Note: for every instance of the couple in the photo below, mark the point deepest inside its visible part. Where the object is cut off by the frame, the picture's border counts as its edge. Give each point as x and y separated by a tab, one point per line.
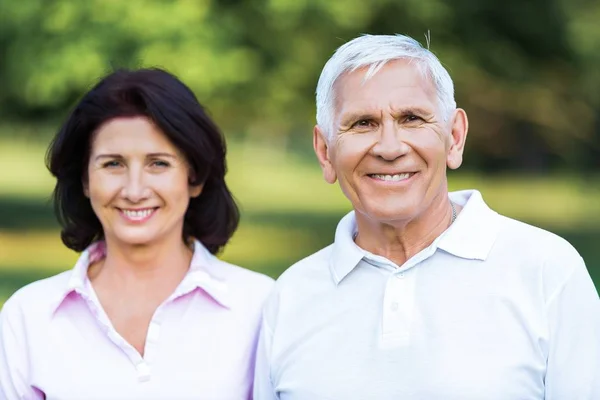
424	294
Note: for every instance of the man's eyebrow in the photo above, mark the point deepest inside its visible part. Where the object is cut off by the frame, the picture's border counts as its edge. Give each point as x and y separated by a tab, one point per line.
353	116
413	110
357	116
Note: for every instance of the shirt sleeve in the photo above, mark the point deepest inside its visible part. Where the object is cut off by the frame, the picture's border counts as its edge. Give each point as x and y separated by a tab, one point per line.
573	367
263	387
13	356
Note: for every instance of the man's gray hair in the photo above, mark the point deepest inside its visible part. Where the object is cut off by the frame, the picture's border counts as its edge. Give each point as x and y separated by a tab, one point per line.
374	51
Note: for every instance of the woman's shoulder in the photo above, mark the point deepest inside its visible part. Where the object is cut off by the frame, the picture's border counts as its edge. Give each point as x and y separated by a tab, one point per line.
241	277
246	290
38	297
238	279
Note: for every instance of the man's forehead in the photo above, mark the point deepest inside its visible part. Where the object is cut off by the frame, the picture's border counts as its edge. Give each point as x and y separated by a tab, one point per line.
408	68
385	89
395	71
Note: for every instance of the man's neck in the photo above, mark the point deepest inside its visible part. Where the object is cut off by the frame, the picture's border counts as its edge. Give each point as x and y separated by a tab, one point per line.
400	240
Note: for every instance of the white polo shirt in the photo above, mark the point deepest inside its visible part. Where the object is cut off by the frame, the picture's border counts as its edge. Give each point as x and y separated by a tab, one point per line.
493	309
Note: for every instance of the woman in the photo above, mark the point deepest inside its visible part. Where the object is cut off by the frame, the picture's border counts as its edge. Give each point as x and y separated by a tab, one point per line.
148	311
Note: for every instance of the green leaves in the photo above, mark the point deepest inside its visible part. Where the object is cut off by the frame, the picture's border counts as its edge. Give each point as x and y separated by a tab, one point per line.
255	63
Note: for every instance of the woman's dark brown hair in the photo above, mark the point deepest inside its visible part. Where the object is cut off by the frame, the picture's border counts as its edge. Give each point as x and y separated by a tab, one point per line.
212	217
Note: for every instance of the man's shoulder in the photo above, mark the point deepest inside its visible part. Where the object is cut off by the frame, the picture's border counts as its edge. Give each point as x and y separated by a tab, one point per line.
313	267
527	236
304	280
538	251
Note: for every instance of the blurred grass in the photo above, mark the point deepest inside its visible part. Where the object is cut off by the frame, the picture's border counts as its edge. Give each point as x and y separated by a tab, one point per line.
288	211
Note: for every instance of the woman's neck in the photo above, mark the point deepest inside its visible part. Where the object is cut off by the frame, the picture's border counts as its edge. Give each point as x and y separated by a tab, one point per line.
149	264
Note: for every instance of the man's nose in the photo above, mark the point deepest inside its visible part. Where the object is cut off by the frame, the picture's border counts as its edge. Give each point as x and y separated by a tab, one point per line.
391	143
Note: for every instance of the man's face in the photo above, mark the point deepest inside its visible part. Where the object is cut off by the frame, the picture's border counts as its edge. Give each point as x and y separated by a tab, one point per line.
390	145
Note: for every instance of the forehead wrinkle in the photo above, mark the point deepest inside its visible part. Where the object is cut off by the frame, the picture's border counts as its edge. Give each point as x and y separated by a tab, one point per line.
423	110
422	83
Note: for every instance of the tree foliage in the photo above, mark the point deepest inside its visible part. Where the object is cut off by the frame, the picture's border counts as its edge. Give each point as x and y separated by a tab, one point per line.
527	73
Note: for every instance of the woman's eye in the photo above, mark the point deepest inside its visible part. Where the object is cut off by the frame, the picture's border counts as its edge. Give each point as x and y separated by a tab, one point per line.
160	163
111	164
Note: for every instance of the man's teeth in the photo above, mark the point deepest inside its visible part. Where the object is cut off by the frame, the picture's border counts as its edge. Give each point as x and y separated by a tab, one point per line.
138	214
392	178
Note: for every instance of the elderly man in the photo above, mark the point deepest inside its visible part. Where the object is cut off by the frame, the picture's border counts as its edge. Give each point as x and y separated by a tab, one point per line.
424	294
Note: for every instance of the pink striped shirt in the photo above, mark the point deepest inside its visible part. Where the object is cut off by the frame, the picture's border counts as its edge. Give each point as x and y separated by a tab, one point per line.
57	343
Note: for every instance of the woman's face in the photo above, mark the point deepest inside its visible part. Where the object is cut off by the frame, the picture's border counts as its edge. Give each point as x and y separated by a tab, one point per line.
138	182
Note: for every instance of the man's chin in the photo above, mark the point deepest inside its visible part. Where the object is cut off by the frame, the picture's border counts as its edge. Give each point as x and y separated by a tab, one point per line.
388	216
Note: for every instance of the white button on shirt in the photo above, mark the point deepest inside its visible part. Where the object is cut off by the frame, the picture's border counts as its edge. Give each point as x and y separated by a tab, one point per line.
493	309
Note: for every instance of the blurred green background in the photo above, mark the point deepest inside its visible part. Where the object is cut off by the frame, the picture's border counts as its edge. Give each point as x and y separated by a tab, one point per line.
527	73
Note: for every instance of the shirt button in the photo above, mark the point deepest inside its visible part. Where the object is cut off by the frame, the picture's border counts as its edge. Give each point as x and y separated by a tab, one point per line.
400	275
143	372
394	306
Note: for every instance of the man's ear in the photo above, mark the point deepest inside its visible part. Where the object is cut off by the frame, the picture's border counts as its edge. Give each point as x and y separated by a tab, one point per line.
458	137
321	146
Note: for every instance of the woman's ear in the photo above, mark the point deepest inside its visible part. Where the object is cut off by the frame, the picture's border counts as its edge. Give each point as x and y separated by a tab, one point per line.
195	189
86	187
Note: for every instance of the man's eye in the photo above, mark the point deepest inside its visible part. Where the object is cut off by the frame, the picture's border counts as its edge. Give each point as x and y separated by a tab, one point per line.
363	123
411	118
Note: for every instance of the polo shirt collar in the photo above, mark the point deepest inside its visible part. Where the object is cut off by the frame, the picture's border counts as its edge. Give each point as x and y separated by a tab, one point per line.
345	254
206	275
474	232
471	236
203	274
